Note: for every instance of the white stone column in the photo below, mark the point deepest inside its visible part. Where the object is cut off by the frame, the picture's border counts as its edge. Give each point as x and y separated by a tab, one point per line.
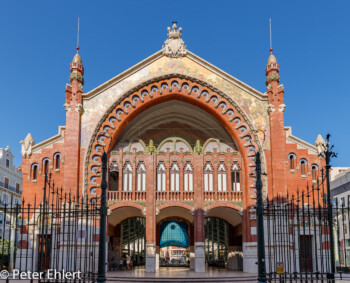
152	258
250	257
192	257
199	263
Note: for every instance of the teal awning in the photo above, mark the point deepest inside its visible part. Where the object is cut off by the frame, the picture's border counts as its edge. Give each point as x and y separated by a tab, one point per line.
174	234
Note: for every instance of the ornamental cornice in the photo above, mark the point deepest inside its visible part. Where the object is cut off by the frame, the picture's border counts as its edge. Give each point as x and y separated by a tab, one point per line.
16	173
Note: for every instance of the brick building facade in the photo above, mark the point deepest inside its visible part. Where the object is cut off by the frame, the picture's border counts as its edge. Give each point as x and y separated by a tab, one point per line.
181	136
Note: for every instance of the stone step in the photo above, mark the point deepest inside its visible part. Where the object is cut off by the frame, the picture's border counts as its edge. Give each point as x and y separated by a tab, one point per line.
180	280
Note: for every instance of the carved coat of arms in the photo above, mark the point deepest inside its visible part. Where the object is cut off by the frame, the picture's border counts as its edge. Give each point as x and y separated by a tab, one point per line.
174	46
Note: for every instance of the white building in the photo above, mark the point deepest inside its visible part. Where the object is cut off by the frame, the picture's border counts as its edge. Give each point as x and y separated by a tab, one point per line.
340	192
10	179
10	187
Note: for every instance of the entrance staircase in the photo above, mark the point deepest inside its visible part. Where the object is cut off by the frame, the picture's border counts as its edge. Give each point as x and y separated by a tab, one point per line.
173	274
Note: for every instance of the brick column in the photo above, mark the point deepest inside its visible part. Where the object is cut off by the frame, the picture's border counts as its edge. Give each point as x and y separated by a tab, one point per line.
72	139
74	109
152	258
199	263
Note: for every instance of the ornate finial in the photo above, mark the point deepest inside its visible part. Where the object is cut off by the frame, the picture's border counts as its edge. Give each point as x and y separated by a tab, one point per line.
78	36
327	152
76	67
174	46
270	37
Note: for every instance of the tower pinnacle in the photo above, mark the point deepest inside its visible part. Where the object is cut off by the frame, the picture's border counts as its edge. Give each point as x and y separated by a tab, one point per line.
272	69
77	69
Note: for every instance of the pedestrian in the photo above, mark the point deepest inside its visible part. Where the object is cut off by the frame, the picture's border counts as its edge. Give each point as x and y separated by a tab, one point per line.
128	260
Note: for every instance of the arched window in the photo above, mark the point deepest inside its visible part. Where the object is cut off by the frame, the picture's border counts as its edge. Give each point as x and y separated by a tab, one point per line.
303	164
46	164
141	177
314	170
208	177
57	160
235	178
188	178
292	157
114	176
35	169
174	178
222	177
161	177
127	184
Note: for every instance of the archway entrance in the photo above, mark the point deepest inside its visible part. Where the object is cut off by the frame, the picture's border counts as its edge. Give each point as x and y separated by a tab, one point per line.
174	243
223	238
126	231
216	241
133	240
164	149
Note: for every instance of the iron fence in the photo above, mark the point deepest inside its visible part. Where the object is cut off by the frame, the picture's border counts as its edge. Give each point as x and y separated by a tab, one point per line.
56	236
307	237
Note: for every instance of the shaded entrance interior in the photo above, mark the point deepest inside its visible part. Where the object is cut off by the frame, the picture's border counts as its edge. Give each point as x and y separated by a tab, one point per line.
127	238
223	239
174	244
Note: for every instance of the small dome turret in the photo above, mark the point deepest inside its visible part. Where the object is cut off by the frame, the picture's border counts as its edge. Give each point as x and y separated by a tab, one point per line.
272	69
77	69
77	58
272	58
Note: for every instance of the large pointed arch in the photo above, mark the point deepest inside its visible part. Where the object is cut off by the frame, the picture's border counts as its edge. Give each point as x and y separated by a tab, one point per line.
165	88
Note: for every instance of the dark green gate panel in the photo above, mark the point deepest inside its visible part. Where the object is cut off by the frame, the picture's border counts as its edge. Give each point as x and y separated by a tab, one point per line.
216	241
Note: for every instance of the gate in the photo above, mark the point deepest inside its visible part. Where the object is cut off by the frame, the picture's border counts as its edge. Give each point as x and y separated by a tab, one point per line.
56	238
303	237
56	234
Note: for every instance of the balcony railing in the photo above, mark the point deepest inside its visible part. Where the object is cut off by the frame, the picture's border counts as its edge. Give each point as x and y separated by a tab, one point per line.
126	196
223	196
10	188
174	196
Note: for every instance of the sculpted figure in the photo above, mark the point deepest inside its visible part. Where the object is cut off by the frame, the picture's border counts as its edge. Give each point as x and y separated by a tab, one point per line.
27	145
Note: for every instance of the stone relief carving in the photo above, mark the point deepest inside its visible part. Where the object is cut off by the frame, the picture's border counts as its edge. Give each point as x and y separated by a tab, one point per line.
320	144
174	46
66	106
282	107
270	108
79	108
27	145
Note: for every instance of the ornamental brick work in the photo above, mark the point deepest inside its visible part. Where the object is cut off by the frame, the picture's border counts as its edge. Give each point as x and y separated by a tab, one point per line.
245	115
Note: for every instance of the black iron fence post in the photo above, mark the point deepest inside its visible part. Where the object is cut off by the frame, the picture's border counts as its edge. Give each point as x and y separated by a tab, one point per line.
328	154
260	222
101	277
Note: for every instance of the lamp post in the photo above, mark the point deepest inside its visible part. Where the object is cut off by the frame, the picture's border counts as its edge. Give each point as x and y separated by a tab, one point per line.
101	276
260	222
327	154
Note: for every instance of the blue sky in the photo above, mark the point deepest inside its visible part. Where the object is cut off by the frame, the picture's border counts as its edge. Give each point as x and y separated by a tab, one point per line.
311	41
